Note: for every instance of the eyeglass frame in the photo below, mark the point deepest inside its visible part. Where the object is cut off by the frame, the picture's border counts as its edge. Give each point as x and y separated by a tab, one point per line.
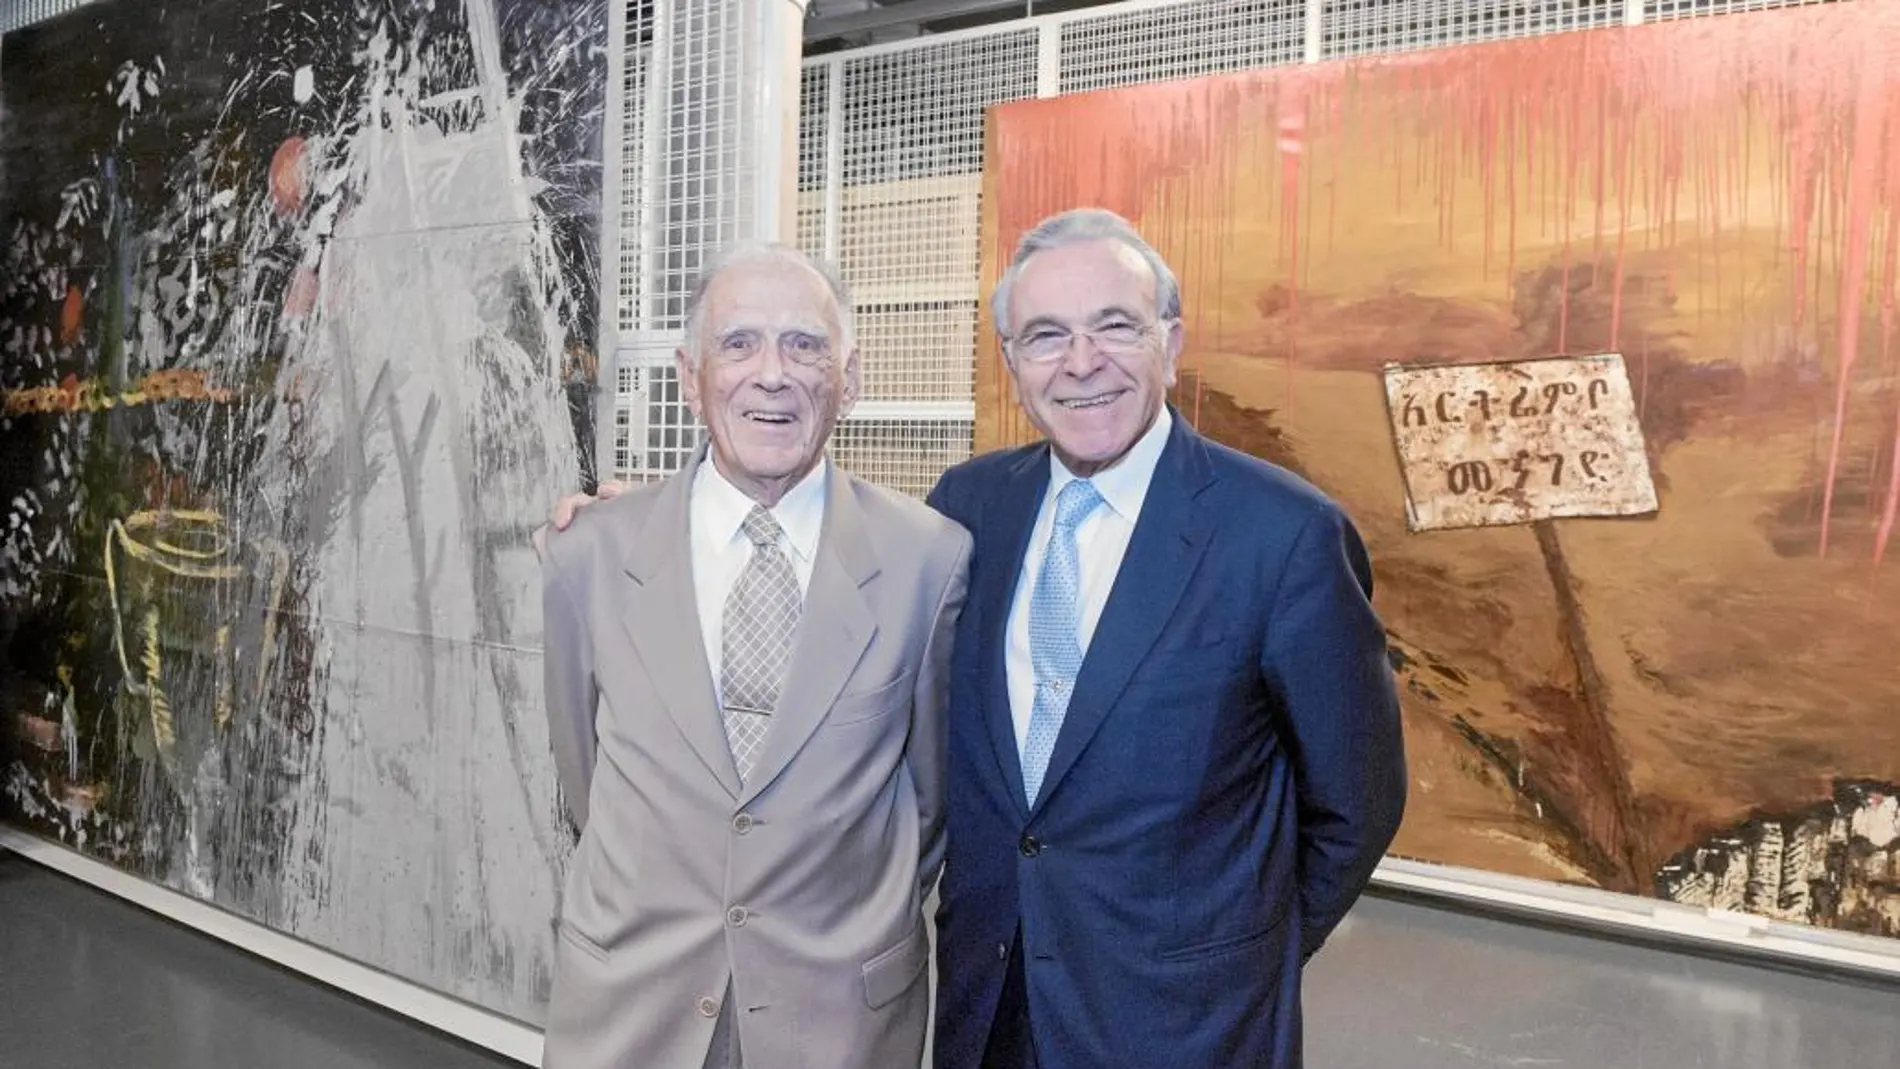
1015	346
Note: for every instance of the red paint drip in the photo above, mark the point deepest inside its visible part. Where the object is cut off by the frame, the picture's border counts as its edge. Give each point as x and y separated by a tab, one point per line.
1626	160
1292	145
1868	113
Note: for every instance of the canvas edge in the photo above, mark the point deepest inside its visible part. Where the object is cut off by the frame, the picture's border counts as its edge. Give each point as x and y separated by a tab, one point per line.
482	1028
1671	925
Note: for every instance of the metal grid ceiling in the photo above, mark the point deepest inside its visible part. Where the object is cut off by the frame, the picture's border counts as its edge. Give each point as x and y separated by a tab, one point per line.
1360	27
1661	10
1183	40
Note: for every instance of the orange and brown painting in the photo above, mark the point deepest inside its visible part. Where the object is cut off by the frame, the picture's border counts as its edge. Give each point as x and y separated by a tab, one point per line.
1700	702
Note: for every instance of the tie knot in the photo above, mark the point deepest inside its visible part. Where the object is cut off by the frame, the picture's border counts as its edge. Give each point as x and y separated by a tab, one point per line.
1075	502
762	527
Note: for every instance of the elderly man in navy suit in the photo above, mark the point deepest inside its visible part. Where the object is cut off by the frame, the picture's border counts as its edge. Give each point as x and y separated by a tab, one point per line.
1175	752
1175	749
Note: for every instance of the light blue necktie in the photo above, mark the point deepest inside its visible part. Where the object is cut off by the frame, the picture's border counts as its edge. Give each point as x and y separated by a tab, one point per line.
1055	650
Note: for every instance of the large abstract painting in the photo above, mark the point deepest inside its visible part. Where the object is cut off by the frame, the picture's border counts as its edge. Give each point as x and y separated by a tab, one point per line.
1594	335
298	316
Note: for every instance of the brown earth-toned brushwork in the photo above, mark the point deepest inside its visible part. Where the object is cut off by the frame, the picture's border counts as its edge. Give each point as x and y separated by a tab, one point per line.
1702	702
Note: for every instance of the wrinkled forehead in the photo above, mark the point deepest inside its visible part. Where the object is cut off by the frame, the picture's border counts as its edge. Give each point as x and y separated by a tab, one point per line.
1083	282
770	295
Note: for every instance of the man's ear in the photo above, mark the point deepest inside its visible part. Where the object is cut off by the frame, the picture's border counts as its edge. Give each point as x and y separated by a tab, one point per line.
1171	352
689	381
853	383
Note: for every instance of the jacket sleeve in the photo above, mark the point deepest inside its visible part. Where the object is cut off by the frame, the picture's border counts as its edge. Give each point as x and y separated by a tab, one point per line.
1326	656
927	753
570	688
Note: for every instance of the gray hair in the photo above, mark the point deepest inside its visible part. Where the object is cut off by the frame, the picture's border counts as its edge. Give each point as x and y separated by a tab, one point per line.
754	252
1074	227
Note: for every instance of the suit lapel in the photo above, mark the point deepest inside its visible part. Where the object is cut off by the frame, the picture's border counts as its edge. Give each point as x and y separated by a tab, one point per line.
1166	546
833	632
662	619
1006	529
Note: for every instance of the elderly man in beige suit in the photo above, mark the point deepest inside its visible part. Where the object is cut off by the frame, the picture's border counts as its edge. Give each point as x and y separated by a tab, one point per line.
746	682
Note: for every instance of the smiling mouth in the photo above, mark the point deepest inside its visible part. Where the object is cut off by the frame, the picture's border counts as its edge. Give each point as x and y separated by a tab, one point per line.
774	419
1075	404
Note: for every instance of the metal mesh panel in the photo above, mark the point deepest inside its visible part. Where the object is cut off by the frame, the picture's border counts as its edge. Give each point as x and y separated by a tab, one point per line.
15	14
911	129
704	172
913	157
918	352
1180	41
918	112
627	395
1358	27
905	455
671	432
1658	10
911	240
814	141
636	179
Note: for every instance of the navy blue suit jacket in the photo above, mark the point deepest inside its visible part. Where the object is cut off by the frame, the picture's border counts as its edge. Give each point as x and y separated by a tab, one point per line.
1229	773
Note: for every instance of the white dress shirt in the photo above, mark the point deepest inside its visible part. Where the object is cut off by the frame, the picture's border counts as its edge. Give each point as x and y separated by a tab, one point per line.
721	549
1100	542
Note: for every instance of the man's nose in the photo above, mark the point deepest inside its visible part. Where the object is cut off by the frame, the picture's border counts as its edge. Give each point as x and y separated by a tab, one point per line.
1081	356
771	368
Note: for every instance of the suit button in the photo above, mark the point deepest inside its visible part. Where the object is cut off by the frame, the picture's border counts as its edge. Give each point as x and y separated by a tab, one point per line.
742	823
709	1007
736	916
1030	846
1002	952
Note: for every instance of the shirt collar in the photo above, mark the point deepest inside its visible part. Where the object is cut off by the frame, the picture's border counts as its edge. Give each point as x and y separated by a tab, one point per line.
1124	484
801	512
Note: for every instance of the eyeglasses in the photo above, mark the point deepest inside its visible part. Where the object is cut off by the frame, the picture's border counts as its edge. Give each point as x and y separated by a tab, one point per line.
797	346
1048	343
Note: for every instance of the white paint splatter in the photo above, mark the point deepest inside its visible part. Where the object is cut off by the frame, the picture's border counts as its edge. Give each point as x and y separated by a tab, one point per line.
1878	821
429	355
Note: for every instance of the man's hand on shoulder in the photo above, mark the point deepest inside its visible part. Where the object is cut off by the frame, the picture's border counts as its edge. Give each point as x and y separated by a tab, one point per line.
570	506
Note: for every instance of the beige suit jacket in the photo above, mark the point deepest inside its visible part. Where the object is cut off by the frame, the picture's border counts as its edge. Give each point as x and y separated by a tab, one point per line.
804	889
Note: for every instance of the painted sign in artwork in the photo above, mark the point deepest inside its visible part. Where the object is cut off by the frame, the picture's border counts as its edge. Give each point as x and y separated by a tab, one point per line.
298	323
1695	700
1518	441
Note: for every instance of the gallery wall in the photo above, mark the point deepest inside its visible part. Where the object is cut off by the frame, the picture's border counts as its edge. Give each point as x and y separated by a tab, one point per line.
1687	692
298	334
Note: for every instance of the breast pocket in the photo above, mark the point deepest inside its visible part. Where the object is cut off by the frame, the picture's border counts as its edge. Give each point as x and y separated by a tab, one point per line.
875	703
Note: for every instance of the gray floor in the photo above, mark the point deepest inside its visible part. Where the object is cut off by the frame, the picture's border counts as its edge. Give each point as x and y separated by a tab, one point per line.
88	982
1408	987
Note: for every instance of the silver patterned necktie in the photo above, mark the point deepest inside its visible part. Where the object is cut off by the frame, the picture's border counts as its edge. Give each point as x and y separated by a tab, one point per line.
756	638
1055	648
